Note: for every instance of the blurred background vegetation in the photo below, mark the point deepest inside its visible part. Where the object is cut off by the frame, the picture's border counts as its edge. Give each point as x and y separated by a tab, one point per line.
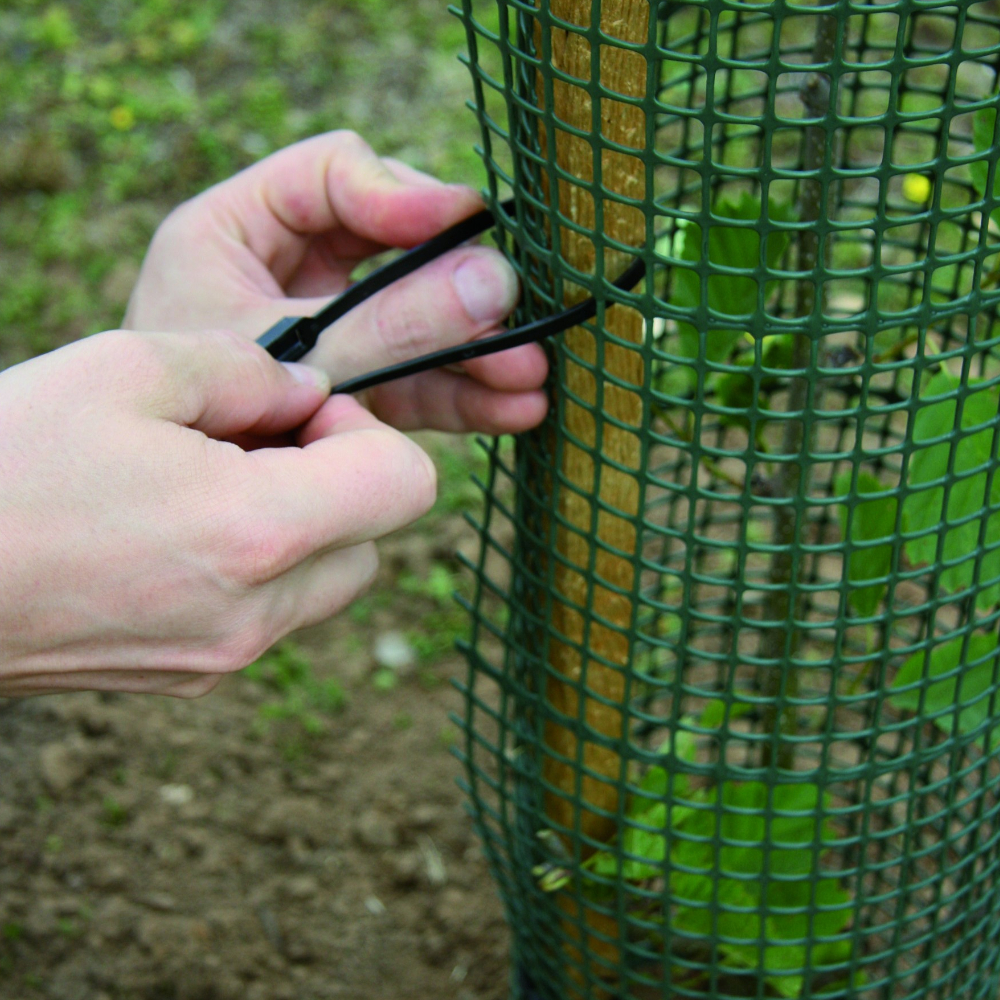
114	111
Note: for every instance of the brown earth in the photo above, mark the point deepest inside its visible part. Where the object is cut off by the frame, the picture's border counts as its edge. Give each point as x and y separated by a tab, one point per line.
205	850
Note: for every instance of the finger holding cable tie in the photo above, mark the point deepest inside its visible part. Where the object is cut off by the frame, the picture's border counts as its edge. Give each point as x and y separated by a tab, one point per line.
283	237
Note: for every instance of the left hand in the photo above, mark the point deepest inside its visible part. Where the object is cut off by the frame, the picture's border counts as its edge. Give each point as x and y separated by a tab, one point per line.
282	238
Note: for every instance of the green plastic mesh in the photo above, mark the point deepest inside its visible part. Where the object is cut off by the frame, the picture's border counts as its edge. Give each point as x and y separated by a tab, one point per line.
732	722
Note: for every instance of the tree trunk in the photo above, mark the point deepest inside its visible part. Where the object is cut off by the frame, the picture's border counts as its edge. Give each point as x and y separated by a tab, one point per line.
598	484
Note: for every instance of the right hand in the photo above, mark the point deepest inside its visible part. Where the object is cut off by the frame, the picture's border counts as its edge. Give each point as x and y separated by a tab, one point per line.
158	526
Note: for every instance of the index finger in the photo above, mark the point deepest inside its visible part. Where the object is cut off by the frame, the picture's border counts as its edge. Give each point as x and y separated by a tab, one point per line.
334	182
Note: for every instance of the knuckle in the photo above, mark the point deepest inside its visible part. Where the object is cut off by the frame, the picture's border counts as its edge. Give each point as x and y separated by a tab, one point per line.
369	564
248	547
116	343
253	553
172	227
196	687
348	137
188	222
132	358
249	641
360	578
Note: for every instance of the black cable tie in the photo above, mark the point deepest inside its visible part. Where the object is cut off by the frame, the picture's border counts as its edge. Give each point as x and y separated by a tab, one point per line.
294	336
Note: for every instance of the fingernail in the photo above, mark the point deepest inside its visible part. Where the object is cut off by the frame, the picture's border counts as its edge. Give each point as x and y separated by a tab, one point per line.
307	375
486	286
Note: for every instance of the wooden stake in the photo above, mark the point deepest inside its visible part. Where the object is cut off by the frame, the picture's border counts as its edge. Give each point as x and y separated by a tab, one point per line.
592	663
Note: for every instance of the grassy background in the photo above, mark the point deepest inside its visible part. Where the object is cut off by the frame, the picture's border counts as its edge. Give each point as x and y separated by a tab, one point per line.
114	111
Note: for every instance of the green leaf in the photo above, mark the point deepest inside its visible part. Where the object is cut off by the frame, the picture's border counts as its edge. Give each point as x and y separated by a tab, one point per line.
714	713
872	520
717	863
735	390
730	295
923	507
983	124
777	351
965	706
735	873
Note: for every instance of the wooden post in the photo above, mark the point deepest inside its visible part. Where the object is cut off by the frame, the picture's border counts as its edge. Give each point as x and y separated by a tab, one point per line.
596	655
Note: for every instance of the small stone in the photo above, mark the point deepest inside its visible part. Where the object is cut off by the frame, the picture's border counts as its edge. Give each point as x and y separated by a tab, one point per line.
375	906
424	816
161	901
63	765
373	830
120	281
298	950
302	887
393	652
109	876
97	720
433	862
332	774
412	551
115	920
8	817
452	908
176	795
435	948
66	906
294	819
406	869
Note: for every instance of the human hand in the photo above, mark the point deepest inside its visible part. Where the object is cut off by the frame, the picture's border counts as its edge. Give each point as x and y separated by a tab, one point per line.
143	549
281	238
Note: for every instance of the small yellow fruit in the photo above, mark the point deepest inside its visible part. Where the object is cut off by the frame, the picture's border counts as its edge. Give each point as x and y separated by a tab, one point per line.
916	188
122	118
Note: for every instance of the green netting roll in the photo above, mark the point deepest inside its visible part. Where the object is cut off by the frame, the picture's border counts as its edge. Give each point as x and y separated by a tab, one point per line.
732	720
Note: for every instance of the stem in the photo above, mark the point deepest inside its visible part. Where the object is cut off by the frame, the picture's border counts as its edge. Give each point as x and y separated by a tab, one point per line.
790	480
713	467
862	675
896	351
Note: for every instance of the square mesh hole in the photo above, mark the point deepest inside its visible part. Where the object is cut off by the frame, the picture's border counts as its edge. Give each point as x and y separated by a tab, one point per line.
869	94
736	145
933	32
876	34
981	34
863	145
915	145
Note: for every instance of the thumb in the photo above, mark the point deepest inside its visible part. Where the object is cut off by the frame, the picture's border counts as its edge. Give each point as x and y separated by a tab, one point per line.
221	384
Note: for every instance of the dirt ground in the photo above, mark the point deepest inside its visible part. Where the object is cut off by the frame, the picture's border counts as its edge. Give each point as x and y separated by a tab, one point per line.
215	850
265	843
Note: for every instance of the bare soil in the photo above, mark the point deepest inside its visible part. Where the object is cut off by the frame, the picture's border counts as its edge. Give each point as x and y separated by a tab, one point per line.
174	850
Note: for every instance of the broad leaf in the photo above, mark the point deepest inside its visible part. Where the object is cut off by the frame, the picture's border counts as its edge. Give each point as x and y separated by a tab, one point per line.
983	124
729	295
719	863
872	520
714	713
964	699
923	508
739	872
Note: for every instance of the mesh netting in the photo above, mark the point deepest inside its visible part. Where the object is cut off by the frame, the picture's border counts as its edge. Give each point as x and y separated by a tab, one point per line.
732	707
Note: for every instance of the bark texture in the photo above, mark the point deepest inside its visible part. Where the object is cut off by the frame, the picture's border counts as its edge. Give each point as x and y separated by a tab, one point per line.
596	500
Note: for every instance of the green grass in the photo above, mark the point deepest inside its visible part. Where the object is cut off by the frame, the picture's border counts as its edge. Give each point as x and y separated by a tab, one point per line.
295	694
113	112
